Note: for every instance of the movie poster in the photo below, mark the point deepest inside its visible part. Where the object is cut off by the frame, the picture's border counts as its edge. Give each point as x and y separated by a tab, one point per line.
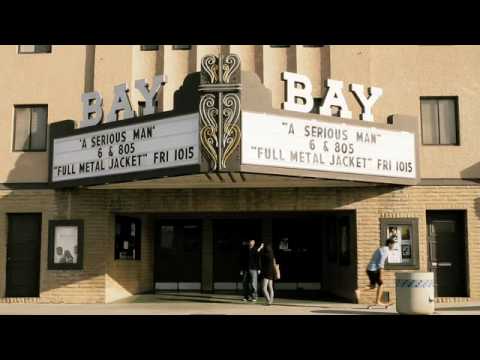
402	249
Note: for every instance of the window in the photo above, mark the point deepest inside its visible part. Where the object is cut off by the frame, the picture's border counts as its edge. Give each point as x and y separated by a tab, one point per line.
149	47
182	47
30	128
127	238
34	49
439	118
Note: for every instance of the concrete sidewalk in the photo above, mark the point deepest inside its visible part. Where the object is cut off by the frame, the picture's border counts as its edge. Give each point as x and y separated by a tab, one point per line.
217	304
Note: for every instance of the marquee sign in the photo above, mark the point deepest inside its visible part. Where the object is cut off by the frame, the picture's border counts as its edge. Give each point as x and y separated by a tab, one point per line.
133	149
232	127
311	144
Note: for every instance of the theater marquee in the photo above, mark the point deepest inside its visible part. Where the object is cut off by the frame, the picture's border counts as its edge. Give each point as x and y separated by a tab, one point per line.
223	121
135	149
311	144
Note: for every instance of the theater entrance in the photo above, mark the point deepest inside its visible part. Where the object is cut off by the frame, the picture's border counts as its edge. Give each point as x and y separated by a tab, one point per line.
201	252
315	251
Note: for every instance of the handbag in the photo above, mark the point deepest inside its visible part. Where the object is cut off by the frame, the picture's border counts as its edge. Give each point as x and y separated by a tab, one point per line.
277	270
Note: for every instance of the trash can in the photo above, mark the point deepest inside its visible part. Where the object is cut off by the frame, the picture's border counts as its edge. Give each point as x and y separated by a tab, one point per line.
415	293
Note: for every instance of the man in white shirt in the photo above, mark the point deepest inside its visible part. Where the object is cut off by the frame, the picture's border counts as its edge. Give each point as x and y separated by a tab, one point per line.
375	271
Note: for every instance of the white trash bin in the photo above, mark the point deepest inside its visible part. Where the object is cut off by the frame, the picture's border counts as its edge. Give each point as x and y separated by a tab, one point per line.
415	293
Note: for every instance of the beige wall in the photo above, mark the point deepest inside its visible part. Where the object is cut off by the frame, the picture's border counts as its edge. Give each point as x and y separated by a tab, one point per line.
404	72
408	72
56	79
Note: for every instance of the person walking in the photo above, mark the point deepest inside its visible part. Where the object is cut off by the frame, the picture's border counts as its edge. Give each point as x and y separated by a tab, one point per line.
375	272
268	270
250	269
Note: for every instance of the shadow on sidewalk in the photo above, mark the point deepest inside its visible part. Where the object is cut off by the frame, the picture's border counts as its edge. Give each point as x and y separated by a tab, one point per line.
352	312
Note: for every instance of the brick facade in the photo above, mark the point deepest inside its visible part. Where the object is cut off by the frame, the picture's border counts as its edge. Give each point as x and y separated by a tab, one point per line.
104	279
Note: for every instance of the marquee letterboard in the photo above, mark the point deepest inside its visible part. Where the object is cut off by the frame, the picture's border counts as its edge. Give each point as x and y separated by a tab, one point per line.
282	142
138	147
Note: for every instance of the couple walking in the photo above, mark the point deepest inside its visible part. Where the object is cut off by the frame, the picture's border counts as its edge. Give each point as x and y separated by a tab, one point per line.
256	261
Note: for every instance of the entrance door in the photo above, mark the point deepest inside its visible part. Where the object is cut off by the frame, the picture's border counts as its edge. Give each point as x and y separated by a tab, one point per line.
446	236
298	248
228	236
23	255
178	255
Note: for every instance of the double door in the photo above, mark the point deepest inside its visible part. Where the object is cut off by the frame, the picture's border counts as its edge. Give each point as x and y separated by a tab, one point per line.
178	255
298	250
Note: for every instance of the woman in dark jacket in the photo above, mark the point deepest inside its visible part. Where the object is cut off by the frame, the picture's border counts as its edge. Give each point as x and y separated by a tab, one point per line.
268	271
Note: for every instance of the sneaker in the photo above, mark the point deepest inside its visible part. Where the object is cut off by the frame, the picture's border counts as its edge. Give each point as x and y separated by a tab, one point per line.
254	300
244	300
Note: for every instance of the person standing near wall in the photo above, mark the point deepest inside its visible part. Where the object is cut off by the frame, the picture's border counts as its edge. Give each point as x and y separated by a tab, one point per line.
250	268
268	271
375	271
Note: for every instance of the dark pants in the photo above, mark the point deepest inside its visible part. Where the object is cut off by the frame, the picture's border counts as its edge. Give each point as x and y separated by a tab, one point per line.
250	284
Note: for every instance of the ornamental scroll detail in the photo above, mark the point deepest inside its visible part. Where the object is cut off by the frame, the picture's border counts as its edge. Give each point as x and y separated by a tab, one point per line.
219	108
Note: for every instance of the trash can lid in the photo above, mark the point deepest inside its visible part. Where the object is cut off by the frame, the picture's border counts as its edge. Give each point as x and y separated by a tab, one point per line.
414	275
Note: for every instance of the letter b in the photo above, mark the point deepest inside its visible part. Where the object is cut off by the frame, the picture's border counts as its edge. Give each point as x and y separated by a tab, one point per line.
92	104
292	92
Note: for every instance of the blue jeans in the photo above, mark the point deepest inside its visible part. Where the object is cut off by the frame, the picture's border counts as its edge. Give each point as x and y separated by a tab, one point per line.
250	284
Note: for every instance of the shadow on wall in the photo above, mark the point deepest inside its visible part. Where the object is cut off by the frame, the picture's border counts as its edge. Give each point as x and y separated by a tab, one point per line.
471	173
29	144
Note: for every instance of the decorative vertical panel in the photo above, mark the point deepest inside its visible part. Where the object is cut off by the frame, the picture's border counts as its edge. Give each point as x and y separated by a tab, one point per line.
219	108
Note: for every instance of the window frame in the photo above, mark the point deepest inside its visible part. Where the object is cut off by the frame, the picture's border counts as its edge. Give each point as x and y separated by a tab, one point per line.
30	130
455	99
34	52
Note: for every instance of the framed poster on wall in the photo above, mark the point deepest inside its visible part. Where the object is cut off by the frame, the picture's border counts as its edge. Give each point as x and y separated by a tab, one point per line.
65	245
404	232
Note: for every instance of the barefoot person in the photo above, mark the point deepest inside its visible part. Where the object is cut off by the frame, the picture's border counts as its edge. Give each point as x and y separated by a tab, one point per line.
375	271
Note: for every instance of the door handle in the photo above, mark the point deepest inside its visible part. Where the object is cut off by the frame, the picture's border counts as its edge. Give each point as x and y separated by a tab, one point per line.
445	264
